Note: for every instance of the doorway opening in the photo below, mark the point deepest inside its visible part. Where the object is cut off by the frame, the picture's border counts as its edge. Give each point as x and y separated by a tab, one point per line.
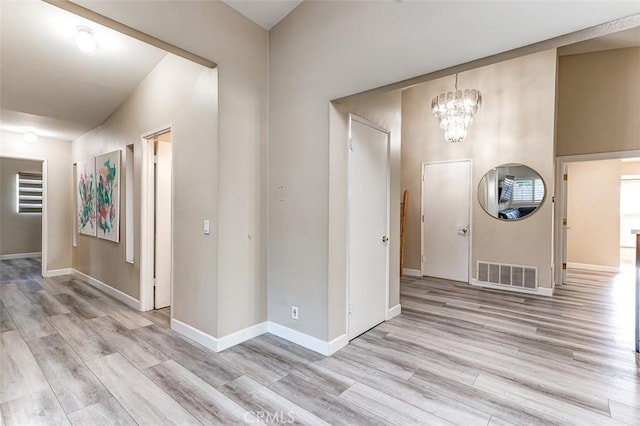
629	211
23	216
599	206
156	273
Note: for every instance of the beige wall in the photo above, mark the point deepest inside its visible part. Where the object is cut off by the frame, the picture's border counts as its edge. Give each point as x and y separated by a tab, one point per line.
384	111
598	100
59	191
236	274
593	213
19	233
366	45
311	63
514	125
182	94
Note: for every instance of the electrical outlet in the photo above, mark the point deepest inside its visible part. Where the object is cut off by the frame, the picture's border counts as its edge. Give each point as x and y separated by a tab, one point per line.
294	312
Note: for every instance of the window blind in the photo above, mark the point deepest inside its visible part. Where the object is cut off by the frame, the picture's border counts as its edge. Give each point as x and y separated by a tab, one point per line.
528	190
29	192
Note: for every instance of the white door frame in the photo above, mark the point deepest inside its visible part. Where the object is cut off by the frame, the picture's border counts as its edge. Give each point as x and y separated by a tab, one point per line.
45	204
560	256
147	219
422	199
353	117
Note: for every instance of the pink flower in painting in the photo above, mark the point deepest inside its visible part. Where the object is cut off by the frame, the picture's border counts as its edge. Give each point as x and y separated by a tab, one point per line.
104	172
104	211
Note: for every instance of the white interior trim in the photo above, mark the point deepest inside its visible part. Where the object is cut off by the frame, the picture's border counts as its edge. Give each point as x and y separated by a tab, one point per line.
58	272
45	217
540	291
616	155
412	272
336	344
590	267
560	240
45	194
361	120
222	343
469	226
317	345
74	203
147	217
194	334
146	226
394	311
243	335
20	255
106	288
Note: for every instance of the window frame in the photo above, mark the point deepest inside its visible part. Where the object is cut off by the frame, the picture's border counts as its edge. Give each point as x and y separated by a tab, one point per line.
29	193
534	184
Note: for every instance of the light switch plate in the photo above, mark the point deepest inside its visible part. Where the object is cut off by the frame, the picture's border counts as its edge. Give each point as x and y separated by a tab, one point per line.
206	227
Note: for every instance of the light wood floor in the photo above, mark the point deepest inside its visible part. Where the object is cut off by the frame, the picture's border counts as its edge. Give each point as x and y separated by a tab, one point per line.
456	355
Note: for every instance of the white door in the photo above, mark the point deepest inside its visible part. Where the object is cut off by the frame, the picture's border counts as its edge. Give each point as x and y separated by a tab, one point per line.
163	226
445	229
368	226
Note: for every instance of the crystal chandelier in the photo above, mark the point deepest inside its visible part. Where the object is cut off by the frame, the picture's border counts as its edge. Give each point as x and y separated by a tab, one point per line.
455	111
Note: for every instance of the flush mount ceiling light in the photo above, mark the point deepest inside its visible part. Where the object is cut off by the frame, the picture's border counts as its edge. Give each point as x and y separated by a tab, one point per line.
455	111
29	136
85	40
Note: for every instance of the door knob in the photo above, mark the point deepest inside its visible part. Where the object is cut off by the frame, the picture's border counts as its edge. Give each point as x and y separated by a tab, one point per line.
385	238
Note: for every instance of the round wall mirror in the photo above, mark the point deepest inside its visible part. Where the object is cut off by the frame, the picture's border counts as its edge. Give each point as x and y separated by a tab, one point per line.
511	191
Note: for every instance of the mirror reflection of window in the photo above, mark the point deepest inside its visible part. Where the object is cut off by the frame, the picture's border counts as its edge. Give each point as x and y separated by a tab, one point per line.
506	190
528	190
511	191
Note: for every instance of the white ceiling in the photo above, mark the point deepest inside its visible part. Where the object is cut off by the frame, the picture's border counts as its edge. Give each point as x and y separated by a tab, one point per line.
265	13
49	85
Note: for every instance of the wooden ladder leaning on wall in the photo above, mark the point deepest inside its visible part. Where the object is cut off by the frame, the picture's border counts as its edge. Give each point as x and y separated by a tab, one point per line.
403	220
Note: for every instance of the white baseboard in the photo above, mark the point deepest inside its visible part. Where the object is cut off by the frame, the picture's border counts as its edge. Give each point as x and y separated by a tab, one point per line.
58	272
540	291
336	344
113	292
412	272
222	343
597	268
317	345
219	344
393	312
20	255
194	334
243	335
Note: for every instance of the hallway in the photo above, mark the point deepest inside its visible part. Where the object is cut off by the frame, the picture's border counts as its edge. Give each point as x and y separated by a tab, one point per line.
456	355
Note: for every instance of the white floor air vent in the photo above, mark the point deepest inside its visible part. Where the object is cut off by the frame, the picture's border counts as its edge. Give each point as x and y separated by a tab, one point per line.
508	275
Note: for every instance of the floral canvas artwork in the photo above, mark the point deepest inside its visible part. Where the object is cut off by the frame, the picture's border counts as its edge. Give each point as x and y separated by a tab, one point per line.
108	196
86	196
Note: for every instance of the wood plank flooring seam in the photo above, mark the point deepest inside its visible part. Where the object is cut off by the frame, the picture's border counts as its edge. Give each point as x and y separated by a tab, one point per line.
457	354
